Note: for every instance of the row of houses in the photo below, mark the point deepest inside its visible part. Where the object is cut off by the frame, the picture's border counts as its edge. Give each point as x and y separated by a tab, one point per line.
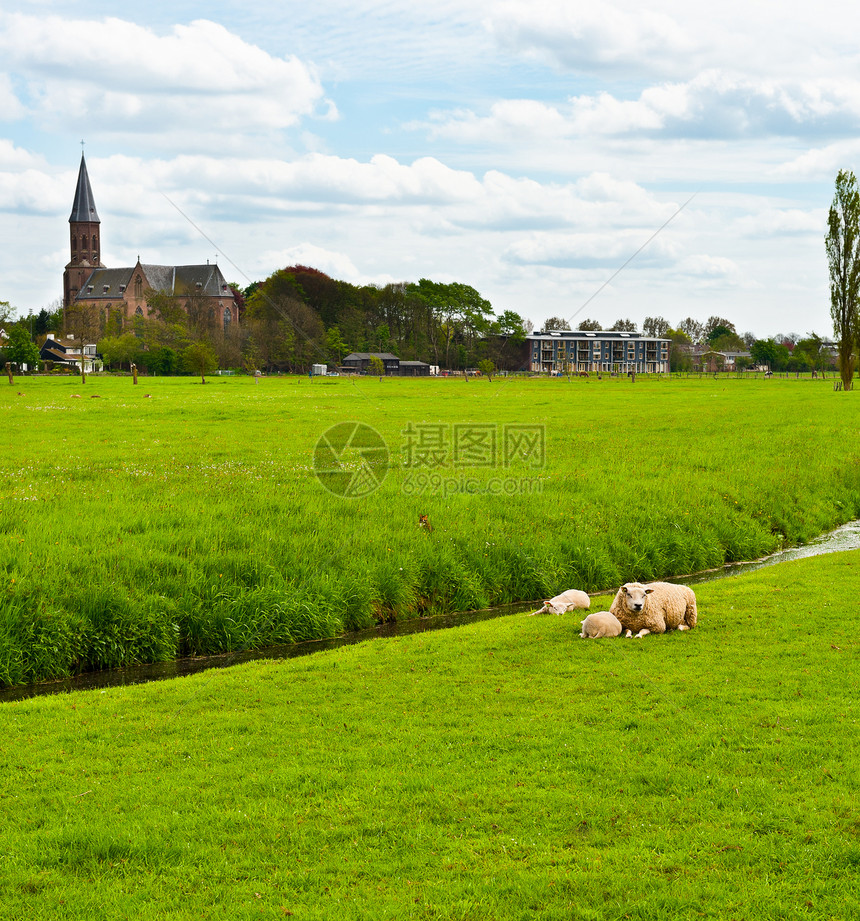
611	352
359	362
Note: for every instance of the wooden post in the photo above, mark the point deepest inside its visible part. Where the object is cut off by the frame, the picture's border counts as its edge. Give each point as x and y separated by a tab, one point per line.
9	372
134	372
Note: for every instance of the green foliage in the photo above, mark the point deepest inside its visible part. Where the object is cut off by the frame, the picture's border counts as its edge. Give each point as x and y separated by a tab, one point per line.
119	350
657	327
375	366
199	358
843	257
503	770
160	361
487	368
767	353
20	349
204	528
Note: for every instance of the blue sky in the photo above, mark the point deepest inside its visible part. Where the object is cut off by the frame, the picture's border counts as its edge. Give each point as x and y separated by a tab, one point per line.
526	149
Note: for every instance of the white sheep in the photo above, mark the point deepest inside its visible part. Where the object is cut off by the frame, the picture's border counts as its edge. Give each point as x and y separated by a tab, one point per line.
655	608
566	601
600	624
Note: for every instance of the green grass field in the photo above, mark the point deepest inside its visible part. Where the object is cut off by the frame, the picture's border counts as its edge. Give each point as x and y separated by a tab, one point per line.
172	518
503	770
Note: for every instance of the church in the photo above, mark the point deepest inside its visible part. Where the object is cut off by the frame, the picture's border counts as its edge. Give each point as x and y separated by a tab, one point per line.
121	294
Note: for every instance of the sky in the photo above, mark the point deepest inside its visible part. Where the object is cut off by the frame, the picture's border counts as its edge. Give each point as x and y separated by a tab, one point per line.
528	149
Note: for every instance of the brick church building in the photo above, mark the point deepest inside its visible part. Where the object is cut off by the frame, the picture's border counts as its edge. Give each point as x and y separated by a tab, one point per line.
121	293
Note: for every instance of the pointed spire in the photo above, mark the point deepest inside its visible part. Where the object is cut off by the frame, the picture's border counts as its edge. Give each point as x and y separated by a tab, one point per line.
84	208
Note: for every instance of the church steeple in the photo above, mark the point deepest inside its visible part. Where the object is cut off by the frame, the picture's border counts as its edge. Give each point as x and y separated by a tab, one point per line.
84	238
84	207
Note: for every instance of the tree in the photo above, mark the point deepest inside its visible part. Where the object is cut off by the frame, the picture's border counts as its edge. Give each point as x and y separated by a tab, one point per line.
715	323
589	326
83	322
843	257
624	326
693	329
554	323
655	327
199	358
771	354
722	340
119	350
487	368
335	345
813	350
20	348
680	352
375	366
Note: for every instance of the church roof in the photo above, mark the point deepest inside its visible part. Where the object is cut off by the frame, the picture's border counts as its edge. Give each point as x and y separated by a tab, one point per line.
84	207
109	283
187	279
180	280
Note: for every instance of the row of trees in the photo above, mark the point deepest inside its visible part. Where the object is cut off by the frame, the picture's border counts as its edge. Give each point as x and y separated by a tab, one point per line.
300	316
718	334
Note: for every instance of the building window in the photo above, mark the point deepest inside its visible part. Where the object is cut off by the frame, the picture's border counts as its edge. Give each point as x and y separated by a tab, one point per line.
95	242
138	288
228	317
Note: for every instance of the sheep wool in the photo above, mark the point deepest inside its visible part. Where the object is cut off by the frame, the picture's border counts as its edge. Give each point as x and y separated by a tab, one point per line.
600	624
655	607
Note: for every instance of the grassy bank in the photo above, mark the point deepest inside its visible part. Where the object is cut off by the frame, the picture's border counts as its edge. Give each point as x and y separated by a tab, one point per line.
171	518
505	770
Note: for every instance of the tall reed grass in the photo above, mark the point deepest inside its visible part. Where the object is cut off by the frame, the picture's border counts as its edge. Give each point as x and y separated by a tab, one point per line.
139	529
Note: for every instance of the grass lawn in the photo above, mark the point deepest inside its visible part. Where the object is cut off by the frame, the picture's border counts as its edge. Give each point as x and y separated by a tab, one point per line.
503	770
172	518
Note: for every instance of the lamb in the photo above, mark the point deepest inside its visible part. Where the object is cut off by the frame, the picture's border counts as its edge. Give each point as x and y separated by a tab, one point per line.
600	624
566	601
655	608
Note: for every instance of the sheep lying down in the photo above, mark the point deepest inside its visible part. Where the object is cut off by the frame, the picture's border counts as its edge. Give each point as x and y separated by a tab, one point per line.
600	624
566	601
655	608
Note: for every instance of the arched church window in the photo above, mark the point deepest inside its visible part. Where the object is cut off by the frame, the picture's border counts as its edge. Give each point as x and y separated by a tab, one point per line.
139	312
95	242
138	288
228	317
83	241
74	243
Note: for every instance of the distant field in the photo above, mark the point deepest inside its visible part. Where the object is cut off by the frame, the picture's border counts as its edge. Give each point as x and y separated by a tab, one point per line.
504	771
172	518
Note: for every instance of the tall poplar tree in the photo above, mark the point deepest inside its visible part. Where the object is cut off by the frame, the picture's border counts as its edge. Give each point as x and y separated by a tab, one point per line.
843	256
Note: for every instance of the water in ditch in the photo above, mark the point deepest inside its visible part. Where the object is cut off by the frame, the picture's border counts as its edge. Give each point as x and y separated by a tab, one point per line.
846	537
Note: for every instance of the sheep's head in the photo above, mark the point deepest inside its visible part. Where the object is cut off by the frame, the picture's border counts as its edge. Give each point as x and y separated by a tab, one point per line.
634	596
558	607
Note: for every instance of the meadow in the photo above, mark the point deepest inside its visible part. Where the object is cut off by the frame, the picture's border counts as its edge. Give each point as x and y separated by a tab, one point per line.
171	518
500	771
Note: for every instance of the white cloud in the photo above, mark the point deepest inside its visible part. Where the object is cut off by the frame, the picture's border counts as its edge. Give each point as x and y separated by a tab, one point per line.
585	37
337	265
197	85
713	105
609	249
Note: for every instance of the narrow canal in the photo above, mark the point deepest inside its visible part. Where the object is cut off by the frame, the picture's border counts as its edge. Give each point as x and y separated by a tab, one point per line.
846	537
